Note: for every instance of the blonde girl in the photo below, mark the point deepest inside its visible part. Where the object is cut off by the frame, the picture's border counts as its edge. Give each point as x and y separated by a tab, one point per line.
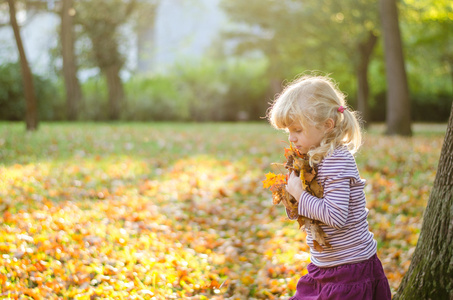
314	112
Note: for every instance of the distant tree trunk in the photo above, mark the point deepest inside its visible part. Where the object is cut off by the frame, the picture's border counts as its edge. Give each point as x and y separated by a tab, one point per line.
110	62
398	105
72	84
115	90
430	275
365	51
31	111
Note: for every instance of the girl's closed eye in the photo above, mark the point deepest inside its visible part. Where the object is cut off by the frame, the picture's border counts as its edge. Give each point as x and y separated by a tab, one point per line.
294	129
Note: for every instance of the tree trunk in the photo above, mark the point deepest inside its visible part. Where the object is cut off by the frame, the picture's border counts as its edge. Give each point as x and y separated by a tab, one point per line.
430	275
115	90
365	50
31	111
110	62
398	105
72	84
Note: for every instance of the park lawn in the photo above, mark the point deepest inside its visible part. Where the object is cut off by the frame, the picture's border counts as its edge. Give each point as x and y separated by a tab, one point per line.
177	211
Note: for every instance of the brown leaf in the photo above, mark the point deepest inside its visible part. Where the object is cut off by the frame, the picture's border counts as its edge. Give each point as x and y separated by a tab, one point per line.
290	202
276	198
278	193
309	176
301	220
315	189
317	246
292	214
318	234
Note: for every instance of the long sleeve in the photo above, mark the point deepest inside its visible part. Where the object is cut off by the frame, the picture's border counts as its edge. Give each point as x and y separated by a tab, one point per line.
342	211
333	208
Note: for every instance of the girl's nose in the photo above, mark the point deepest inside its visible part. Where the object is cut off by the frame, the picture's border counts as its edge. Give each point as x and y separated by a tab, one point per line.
292	138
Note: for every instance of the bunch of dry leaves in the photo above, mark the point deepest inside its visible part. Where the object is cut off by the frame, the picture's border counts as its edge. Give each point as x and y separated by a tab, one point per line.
299	163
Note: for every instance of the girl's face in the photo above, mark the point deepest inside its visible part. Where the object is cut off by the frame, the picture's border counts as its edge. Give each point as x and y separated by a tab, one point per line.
305	138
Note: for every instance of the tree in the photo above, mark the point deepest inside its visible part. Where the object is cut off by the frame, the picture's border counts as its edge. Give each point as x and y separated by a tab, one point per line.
365	49
398	105
72	84
101	20
430	275
264	34
31	112
356	26
330	35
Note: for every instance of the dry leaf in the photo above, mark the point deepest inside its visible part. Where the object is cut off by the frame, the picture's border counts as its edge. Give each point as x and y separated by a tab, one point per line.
317	246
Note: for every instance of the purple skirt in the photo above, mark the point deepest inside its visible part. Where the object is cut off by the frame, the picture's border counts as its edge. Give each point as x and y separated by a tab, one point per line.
363	280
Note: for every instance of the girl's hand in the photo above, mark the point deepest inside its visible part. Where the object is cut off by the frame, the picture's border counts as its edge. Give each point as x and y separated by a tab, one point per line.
294	186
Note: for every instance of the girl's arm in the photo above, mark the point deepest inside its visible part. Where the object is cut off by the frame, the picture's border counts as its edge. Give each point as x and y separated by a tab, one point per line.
333	208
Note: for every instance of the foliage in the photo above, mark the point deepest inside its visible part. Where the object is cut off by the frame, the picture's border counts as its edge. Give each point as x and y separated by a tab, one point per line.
94	105
100	21
154	98
179	211
324	35
12	100
11	92
220	91
427	29
293	35
319	35
203	90
424	107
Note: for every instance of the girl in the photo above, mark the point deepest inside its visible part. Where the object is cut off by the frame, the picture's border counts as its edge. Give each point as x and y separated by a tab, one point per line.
314	113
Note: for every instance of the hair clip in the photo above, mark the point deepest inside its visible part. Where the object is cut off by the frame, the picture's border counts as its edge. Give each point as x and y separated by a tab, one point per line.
340	109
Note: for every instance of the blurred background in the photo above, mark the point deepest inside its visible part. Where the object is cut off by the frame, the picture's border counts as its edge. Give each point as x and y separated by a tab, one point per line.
214	60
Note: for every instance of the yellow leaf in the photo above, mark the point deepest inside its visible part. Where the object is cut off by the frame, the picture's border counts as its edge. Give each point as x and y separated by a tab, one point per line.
272	179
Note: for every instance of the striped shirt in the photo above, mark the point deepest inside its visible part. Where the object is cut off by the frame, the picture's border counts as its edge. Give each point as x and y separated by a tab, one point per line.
342	210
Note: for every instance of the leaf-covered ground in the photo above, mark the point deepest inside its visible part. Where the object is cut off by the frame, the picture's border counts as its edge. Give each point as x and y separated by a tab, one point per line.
177	211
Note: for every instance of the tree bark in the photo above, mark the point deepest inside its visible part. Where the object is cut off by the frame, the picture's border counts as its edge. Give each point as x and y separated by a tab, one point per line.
430	275
31	111
365	51
398	105
72	84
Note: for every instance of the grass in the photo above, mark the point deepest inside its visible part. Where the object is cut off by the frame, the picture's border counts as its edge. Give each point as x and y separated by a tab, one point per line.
170	211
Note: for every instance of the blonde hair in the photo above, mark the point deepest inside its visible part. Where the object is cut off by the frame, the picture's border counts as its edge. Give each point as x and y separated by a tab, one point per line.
313	100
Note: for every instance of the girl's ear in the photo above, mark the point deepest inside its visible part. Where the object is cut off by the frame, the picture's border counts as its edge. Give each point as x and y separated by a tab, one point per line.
329	124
